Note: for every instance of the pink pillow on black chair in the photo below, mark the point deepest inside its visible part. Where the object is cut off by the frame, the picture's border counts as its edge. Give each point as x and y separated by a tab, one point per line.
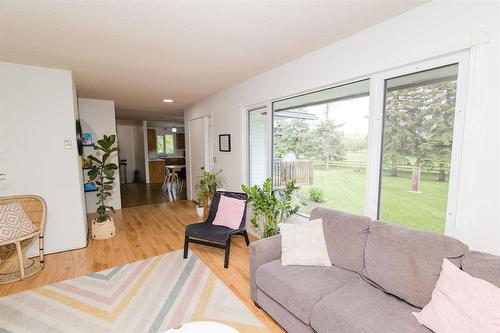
229	212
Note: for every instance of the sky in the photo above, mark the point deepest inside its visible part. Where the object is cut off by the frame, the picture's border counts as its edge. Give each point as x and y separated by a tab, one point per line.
353	113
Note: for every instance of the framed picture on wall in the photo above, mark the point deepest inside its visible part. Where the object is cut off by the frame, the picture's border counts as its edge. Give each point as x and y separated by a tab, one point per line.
87	139
225	142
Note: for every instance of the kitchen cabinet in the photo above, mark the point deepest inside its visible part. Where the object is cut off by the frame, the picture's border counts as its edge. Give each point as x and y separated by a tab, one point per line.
151	139
156	171
180	142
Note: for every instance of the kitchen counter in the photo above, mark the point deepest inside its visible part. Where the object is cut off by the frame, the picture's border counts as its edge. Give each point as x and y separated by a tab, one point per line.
157	167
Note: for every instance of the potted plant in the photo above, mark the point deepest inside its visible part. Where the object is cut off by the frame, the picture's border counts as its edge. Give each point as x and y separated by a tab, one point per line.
199	203
271	206
102	173
206	186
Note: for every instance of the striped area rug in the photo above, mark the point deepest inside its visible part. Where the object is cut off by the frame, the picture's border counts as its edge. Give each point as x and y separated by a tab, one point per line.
150	295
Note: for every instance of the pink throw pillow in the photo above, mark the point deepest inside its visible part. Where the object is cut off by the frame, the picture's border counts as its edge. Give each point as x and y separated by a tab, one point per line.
230	212
461	303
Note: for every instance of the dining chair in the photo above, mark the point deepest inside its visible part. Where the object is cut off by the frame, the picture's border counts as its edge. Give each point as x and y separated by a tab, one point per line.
169	179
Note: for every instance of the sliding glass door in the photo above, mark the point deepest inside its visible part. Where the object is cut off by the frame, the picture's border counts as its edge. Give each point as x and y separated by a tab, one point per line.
418	123
320	140
388	147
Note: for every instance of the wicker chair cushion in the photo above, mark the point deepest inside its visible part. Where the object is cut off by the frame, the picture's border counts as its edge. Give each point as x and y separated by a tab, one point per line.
14	223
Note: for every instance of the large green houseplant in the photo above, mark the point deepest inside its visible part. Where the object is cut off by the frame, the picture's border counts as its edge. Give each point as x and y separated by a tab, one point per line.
271	206
103	174
206	185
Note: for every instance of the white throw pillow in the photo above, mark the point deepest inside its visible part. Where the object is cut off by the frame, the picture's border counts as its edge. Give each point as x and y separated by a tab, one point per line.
303	244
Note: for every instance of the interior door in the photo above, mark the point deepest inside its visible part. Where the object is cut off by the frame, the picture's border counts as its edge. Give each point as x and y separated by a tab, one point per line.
199	152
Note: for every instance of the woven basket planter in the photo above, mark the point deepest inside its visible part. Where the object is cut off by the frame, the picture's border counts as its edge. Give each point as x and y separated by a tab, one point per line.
103	230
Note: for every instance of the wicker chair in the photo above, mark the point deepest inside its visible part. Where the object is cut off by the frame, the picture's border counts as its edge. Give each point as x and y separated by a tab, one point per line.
13	264
215	235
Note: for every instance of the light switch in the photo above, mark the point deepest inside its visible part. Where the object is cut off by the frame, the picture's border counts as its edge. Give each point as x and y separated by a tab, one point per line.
215	159
68	144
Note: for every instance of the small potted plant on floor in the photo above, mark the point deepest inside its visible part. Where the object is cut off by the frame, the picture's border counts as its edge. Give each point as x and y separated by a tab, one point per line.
102	172
206	186
199	203
271	206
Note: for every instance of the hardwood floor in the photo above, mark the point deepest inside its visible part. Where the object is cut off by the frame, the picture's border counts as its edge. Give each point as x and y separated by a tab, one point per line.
144	232
141	194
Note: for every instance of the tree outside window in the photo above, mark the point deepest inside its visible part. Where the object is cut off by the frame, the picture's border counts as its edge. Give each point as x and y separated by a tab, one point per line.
165	144
169	144
160	144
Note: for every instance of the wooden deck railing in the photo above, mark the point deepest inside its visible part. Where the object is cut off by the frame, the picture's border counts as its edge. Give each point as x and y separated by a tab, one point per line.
301	170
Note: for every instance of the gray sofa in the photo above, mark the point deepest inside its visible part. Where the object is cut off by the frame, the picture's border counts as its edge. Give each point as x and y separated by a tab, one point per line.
380	273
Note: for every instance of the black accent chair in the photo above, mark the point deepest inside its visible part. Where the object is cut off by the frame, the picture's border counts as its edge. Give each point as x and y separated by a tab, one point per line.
206	233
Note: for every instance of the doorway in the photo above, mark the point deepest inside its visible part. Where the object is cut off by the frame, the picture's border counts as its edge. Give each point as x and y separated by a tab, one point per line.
199	150
150	151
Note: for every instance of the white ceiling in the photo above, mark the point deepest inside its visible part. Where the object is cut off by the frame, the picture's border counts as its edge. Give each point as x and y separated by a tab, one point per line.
138	52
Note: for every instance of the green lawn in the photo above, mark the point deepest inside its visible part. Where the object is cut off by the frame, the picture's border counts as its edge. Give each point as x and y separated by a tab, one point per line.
344	189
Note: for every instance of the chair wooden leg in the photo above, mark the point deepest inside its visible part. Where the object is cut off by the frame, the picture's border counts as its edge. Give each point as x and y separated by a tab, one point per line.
21	261
245	234
186	246
40	244
226	255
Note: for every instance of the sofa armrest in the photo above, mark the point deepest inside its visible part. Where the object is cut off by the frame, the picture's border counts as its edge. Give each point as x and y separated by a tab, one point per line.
262	251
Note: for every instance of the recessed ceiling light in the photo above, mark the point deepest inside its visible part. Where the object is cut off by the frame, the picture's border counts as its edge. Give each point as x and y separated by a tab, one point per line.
167	100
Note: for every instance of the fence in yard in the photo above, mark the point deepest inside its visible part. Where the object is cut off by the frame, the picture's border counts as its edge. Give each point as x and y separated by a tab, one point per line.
301	170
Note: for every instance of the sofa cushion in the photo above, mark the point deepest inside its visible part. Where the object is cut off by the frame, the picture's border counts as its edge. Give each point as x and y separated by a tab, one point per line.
299	288
360	307
281	315
407	262
482	265
345	236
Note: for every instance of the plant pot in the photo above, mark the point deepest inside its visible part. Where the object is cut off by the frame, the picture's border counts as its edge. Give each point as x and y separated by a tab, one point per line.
103	230
199	210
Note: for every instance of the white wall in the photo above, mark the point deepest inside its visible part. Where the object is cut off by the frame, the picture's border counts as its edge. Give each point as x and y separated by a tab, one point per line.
130	140
432	30
98	117
37	115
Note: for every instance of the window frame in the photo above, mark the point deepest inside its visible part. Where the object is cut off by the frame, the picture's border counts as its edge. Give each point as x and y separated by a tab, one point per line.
165	143
164	139
158	137
375	136
375	129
